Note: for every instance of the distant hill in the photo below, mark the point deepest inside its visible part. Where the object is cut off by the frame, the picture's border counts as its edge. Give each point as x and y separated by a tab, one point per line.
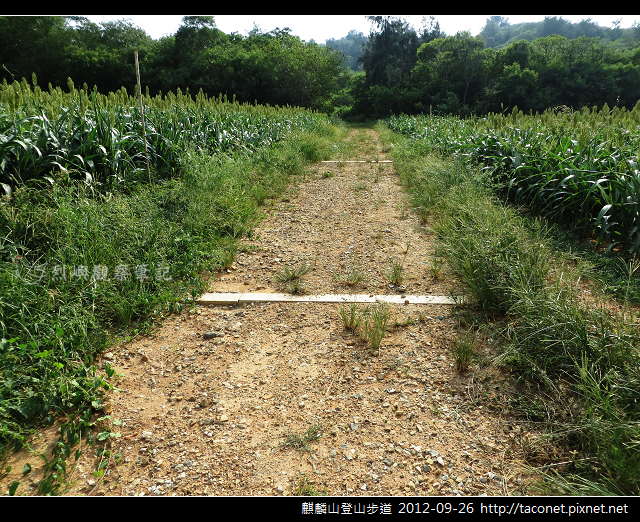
498	32
352	47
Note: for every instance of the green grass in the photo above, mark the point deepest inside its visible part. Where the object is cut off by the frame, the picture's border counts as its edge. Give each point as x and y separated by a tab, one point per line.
462	350
353	276
373	326
370	323
307	488
301	442
292	276
351	316
394	274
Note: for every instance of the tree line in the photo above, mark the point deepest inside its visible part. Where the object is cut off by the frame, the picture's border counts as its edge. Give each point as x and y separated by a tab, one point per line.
409	71
395	69
272	67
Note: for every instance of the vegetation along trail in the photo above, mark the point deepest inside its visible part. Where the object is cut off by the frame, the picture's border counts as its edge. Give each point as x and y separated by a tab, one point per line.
286	398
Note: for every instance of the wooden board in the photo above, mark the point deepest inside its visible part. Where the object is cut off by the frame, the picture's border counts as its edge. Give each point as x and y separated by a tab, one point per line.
238	298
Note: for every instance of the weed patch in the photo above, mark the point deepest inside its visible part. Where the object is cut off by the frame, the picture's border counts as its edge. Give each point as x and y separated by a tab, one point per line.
353	276
292	277
301	442
395	273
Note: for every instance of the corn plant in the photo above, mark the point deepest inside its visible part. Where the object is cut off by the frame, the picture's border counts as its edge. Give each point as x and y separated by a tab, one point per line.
579	168
99	139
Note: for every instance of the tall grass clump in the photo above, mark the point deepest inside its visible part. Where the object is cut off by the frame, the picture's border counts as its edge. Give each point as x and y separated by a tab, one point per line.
577	362
487	245
371	322
556	343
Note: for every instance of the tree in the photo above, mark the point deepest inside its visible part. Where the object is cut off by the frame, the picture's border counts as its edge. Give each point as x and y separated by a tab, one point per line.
32	44
388	60
352	48
390	53
589	28
517	87
495	31
195	35
454	63
103	54
553	25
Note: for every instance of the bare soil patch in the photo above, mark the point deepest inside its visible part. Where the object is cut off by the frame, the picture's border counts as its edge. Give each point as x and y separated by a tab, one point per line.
279	396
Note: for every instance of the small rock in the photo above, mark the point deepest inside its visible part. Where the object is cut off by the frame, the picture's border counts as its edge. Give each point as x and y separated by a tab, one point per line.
353	426
223	418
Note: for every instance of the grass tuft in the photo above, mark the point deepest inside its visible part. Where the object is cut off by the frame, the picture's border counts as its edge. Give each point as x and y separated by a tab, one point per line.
394	274
351	316
292	276
463	349
353	276
307	488
374	325
301	442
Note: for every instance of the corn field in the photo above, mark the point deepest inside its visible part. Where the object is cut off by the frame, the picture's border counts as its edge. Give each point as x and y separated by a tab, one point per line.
99	139
580	167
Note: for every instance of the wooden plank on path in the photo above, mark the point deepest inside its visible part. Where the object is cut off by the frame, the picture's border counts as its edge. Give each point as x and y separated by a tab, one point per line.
227	298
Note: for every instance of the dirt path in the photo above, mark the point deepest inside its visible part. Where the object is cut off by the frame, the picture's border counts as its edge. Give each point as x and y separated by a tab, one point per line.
234	412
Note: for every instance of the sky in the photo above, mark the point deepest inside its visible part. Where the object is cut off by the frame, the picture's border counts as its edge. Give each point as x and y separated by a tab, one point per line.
323	27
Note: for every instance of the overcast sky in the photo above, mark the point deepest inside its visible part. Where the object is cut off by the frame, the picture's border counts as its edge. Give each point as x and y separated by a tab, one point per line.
322	27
